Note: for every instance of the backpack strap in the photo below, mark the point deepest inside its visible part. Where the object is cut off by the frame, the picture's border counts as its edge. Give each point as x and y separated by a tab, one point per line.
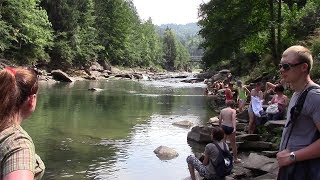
219	148
295	111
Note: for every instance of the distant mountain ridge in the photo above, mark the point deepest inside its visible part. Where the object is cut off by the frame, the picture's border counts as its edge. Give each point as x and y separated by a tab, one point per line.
182	30
187	34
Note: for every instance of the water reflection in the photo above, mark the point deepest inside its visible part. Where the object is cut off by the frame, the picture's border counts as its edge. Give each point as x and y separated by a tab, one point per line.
111	134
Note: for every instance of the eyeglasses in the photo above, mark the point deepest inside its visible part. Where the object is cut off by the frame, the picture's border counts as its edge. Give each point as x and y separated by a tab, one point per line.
288	66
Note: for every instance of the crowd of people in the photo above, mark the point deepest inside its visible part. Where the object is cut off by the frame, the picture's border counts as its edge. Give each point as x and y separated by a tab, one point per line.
299	155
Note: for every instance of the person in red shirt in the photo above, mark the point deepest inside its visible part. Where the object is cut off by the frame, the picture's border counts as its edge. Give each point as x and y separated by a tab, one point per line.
229	92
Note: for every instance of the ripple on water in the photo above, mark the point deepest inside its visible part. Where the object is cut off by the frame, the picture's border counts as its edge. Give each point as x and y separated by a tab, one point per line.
144	139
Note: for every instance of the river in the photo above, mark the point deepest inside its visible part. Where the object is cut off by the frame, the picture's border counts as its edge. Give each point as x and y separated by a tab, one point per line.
111	134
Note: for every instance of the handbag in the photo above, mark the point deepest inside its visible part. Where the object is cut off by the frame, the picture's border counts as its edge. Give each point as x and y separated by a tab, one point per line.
272	109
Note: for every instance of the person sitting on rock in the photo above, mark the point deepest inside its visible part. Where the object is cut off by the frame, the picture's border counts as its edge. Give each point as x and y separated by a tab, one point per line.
206	168
281	100
227	121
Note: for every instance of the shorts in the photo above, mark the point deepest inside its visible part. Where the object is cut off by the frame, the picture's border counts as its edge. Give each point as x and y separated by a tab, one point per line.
227	129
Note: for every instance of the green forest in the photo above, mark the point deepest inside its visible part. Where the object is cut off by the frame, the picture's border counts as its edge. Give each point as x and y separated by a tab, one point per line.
68	34
234	34
251	35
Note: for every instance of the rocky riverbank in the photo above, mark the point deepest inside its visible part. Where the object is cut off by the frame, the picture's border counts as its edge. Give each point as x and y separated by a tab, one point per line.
261	149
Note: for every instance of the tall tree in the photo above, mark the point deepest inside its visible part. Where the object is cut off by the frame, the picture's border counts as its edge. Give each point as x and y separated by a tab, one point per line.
75	35
226	25
176	55
25	32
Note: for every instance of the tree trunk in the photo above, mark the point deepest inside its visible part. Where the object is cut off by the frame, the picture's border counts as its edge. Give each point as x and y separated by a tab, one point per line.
272	33
279	49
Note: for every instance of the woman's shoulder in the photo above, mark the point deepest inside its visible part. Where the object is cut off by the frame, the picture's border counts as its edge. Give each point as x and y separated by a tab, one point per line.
214	147
15	136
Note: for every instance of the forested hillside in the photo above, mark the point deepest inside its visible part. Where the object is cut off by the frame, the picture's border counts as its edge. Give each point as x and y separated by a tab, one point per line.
243	34
187	34
234	34
75	33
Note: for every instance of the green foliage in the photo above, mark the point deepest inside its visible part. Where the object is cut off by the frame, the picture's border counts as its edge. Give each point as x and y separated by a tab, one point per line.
25	31
240	34
226	25
175	54
75	34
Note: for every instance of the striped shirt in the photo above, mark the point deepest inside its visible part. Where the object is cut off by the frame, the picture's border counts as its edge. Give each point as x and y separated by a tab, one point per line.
17	152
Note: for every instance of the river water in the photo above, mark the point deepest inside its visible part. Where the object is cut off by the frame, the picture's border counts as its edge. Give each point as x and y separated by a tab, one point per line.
111	134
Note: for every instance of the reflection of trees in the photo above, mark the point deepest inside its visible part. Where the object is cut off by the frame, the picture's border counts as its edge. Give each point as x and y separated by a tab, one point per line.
87	117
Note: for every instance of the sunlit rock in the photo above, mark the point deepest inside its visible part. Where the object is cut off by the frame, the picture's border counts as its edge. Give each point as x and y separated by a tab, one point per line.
59	75
201	134
165	153
263	163
186	124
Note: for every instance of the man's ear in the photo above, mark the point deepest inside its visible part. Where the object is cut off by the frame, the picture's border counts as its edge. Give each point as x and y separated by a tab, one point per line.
305	67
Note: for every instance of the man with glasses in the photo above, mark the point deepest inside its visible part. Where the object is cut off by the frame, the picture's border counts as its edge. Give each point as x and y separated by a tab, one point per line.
299	154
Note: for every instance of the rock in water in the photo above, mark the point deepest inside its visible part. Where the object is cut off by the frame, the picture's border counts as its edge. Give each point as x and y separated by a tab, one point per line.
165	153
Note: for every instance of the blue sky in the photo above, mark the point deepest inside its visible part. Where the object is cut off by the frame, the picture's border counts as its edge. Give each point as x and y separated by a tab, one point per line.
168	11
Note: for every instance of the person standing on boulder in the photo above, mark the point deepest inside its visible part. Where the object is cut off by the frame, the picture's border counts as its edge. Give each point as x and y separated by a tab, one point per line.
299	154
229	92
227	121
256	92
242	95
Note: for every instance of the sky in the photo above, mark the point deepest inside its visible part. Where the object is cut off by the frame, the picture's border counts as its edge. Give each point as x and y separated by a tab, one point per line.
168	11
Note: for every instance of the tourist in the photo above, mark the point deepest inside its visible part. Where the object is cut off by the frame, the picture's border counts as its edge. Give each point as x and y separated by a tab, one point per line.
227	121
18	97
229	92
258	94
280	101
206	168
242	95
299	155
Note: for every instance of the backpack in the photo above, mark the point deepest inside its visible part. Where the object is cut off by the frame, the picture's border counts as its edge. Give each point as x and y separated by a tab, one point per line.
224	162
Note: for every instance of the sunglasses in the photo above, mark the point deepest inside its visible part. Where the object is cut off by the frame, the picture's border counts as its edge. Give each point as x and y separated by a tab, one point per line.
288	66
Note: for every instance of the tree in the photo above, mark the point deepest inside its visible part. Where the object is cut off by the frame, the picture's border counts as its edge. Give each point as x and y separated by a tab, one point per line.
176	55
227	25
75	35
25	32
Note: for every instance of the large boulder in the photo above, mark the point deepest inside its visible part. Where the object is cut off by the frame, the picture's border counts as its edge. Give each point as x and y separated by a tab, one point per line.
200	134
263	163
248	137
275	124
256	145
59	75
96	67
165	153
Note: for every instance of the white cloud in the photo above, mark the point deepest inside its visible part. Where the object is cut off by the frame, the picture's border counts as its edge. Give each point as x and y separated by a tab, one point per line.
168	11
